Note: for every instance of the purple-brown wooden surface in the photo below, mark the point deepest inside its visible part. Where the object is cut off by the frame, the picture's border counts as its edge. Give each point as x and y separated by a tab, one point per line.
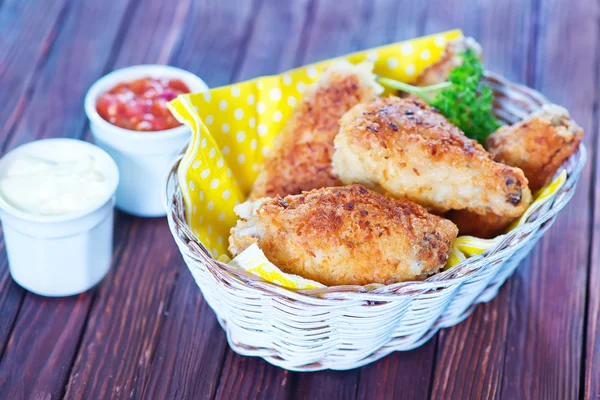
146	332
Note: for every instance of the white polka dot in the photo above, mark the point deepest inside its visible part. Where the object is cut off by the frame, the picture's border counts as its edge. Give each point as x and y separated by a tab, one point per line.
311	72
372	55
220	162
201	219
262	129
440	41
220	239
192	186
203	143
253	144
209	229
235	91
226	194
229	172
195	209
222	216
406	49
215	253
225	150
201	196
225	128
205	173
287	79
206	96
259	85
196	108
241	159
254	167
292	101
209	119
260	107
196	164
252	122
410	69
223	105
277	116
250	99
425	55
212	153
210	205
214	183
392	62
275	94
240	136
238	114
265	151
300	86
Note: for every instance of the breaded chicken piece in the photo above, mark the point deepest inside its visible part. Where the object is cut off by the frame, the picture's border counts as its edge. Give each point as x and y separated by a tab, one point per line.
484	226
301	157
345	236
403	147
450	59
538	145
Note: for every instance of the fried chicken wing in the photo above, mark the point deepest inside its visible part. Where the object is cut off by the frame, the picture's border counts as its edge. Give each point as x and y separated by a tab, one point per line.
301	157
345	236
538	145
403	147
450	59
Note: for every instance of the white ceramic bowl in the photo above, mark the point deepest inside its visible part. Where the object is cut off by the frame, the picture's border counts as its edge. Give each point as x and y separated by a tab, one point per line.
66	254
143	158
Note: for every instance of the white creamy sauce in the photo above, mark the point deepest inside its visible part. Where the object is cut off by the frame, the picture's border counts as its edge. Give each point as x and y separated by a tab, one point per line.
42	187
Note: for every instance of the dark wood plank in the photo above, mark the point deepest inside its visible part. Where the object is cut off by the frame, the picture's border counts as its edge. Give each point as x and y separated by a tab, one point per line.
23	51
470	356
592	349
53	326
545	335
401	375
129	335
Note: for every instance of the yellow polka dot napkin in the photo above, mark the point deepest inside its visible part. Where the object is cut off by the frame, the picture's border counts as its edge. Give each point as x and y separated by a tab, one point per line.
233	129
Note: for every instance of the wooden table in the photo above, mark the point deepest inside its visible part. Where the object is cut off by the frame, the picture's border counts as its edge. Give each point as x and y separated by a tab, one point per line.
146	332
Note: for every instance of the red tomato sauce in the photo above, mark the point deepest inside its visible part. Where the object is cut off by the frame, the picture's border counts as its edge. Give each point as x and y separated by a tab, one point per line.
141	105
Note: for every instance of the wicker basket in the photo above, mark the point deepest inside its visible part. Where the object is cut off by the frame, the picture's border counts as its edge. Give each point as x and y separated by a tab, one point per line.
346	327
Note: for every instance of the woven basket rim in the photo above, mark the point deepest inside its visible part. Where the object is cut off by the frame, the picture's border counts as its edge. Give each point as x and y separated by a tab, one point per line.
510	242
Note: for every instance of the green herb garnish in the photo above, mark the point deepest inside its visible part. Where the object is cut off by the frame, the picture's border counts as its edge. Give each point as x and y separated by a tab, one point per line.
464	99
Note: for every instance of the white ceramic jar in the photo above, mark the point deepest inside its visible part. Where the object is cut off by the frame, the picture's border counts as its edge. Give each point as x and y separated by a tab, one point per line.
60	255
143	158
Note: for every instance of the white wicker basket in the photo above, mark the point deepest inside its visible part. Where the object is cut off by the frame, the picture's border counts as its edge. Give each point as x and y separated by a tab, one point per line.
346	327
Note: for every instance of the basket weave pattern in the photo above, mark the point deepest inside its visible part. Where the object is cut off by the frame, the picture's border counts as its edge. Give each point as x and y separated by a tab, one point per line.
347	327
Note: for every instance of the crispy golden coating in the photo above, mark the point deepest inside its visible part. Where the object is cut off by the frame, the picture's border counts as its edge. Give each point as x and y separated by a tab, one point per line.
345	236
450	59
538	145
403	147
301	157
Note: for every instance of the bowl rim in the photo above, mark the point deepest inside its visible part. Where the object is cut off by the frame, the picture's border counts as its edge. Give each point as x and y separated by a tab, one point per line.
105	83
90	149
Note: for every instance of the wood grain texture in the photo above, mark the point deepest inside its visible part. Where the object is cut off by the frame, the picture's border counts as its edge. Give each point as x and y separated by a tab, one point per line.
53	326
545	334
477	346
23	52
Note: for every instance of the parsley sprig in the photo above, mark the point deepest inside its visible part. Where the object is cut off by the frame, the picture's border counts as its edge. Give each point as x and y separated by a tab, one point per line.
463	99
